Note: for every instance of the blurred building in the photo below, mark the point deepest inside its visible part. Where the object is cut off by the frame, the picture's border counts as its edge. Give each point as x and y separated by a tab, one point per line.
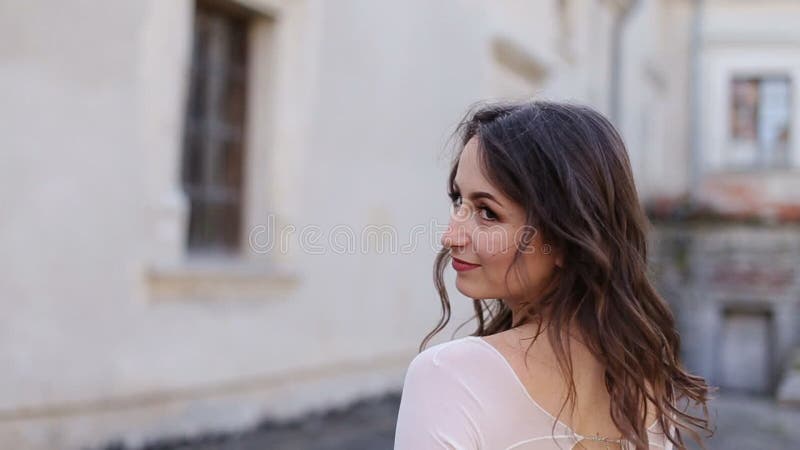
729	247
217	212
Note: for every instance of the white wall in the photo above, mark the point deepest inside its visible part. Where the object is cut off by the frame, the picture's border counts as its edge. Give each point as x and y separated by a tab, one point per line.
747	38
109	330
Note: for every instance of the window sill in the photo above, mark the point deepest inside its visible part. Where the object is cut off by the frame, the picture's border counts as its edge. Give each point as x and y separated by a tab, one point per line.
732	170
219	280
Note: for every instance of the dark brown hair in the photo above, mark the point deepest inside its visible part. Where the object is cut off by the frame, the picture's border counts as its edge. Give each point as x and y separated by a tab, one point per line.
569	169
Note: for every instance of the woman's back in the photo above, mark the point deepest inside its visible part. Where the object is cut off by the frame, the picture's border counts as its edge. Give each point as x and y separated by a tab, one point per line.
465	394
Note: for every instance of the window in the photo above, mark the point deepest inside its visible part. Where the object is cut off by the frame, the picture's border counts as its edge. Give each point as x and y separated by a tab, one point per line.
760	121
213	147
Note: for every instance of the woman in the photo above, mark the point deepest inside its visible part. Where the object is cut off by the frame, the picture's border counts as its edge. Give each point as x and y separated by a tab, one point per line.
548	238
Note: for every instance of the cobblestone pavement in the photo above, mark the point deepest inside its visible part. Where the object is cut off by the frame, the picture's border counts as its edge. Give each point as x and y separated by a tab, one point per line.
743	423
753	423
366	425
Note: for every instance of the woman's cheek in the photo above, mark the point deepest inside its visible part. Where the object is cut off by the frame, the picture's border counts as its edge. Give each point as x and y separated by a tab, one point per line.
488	247
498	240
496	258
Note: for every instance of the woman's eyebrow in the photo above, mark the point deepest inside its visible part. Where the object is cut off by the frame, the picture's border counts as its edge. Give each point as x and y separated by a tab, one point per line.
479	194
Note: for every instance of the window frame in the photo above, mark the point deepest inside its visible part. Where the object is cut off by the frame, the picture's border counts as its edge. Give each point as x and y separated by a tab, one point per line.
755	145
214	145
722	62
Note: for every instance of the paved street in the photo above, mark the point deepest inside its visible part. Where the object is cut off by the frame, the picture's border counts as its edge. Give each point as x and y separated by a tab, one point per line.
367	425
754	423
744	423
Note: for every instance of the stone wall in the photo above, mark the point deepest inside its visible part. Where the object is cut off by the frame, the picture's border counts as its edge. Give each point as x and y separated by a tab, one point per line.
735	291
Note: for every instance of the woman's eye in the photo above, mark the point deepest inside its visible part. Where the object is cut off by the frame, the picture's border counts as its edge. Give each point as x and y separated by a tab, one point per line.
488	214
485	213
455	198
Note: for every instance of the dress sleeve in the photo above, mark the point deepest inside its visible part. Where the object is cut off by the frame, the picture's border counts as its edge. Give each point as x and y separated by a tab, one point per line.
438	410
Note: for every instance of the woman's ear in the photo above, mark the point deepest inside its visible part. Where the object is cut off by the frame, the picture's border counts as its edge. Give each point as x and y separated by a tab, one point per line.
559	261
556	253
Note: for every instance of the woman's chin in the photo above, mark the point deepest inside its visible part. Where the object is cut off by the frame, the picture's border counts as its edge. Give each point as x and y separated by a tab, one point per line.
465	287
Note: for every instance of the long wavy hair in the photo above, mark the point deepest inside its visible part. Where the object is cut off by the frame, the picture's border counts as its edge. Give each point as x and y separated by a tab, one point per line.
569	169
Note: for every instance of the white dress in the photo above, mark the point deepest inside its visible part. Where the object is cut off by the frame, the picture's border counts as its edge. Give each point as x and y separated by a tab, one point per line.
464	394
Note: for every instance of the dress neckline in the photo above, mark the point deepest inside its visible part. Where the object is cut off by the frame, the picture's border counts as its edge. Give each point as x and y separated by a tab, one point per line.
528	395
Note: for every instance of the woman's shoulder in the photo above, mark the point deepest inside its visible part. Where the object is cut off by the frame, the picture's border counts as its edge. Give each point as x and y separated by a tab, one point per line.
467	361
462	371
442	403
458	353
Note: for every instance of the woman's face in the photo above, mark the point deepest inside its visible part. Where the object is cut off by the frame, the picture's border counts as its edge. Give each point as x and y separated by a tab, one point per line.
485	228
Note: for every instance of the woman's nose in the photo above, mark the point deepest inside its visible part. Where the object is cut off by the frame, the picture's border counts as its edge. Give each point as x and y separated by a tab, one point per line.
457	233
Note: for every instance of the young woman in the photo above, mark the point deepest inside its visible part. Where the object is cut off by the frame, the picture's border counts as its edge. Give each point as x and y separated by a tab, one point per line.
574	348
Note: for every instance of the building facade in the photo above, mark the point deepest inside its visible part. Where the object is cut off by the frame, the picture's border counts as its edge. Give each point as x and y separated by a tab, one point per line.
218	212
729	246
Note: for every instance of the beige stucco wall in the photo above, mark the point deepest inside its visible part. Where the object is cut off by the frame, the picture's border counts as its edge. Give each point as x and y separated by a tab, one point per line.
109	331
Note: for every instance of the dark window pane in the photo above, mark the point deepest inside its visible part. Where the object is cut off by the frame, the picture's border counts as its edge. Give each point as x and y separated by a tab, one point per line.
745	109
230	173
192	156
234	101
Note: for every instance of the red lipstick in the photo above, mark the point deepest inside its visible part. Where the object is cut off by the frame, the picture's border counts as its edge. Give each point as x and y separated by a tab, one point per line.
462	266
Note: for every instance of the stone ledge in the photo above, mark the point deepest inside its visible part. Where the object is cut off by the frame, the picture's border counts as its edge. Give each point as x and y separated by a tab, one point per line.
216	280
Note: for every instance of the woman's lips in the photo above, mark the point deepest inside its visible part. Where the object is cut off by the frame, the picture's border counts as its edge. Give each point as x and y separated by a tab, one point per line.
462	266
